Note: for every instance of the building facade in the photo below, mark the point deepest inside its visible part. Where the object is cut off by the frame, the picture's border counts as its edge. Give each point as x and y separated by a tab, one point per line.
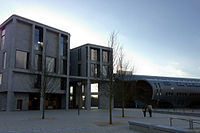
29	50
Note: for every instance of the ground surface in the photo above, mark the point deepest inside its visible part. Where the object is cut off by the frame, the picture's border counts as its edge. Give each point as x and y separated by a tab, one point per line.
93	121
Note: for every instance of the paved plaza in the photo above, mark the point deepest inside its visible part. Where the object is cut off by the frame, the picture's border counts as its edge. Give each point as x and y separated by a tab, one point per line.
93	121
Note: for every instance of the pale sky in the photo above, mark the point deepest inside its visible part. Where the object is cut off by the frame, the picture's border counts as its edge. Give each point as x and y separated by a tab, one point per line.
160	37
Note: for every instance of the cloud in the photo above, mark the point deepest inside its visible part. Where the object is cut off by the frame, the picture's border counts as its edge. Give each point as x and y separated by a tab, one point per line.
144	66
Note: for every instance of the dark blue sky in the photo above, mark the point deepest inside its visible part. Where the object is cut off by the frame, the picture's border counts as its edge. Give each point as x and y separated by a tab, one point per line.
161	37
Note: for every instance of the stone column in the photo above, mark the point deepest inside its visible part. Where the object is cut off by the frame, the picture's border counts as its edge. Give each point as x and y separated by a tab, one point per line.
67	95
88	95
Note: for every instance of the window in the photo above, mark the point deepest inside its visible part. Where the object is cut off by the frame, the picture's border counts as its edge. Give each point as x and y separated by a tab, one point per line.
0	79
94	54
50	64
4	60
105	56
37	83
105	71
79	69
38	62
94	70
63	45
79	54
2	39
21	60
64	66
38	41
63	84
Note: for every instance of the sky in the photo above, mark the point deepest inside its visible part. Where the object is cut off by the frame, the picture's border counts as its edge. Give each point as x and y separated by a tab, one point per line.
159	37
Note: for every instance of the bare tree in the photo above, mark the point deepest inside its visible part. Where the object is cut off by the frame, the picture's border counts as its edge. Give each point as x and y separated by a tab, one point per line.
123	71
114	45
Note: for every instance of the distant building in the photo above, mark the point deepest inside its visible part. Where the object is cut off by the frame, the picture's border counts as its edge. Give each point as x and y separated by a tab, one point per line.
25	44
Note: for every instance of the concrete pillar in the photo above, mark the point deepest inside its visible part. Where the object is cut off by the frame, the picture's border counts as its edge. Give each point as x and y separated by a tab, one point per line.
88	95
10	101
67	95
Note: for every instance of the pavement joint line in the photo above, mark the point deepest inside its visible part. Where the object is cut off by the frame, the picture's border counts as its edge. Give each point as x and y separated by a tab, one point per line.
63	129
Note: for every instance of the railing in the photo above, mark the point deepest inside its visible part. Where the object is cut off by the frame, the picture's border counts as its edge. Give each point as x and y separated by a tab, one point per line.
190	121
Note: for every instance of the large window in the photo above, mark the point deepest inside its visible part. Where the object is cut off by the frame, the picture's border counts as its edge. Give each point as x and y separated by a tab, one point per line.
4	60
21	60
79	54
105	56
38	62
105	71
94	54
50	64
3	33
63	45
94	70
79	69
37	83
63	84
0	79
38	40
64	66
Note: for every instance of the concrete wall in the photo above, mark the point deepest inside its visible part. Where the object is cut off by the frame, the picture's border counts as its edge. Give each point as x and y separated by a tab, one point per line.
23	36
103	95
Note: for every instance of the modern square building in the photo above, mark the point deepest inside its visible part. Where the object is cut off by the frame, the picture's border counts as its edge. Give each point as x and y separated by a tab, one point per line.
29	49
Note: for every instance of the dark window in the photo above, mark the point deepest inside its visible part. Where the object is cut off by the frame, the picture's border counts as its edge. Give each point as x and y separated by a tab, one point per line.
64	66
63	45
4	60
37	83
94	70
79	54
19	104
79	69
38	40
22	60
3	33
50	64
63	84
105	56
0	79
38	62
94	54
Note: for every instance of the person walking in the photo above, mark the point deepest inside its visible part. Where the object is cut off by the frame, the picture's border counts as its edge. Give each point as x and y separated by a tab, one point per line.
150	110
144	109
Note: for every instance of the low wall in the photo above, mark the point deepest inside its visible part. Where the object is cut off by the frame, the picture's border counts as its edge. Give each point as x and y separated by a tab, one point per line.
150	128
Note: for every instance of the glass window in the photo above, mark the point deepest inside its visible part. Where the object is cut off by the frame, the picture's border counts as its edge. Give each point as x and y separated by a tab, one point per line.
50	64
105	56
94	54
38	62
38	40
0	79
3	33
79	54
4	60
64	66
105	71
63	84
63	45
37	83
94	70
21	60
79	69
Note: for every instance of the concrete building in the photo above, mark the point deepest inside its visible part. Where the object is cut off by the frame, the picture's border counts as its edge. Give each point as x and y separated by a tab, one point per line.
29	49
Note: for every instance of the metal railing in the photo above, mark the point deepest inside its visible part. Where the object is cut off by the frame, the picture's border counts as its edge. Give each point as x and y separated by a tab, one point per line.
190	121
